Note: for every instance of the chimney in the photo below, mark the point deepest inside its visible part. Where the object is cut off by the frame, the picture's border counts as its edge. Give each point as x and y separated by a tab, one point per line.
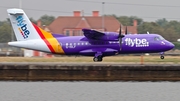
77	13
135	22
39	23
95	13
44	26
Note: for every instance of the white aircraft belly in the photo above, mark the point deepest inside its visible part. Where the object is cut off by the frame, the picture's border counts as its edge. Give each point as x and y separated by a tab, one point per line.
31	44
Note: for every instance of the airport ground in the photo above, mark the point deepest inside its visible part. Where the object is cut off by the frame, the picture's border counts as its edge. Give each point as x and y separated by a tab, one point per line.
117	59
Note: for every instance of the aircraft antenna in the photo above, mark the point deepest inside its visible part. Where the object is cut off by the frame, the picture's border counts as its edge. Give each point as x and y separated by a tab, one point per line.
82	13
147	32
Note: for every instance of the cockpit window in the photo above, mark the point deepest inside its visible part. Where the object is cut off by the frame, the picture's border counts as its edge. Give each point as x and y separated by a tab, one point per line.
157	38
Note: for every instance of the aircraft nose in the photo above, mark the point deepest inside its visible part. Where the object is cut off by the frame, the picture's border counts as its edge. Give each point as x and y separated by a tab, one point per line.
170	45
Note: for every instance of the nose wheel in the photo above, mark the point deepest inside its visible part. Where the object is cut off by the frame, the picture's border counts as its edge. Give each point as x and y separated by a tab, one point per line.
162	57
98	59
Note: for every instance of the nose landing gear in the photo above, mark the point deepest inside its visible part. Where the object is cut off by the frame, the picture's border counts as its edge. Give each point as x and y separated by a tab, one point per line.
162	55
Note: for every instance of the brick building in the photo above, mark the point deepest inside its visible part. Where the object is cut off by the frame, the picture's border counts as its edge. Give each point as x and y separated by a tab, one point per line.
72	25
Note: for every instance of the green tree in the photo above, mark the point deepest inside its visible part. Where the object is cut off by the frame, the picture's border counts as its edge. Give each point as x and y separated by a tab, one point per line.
175	25
177	45
124	20
162	22
139	20
128	21
150	27
5	31
33	21
46	19
170	34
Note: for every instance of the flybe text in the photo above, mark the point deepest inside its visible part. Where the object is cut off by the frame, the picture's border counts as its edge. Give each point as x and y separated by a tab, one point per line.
22	27
136	42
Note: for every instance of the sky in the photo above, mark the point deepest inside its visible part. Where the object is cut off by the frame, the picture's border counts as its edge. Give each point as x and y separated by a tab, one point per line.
148	10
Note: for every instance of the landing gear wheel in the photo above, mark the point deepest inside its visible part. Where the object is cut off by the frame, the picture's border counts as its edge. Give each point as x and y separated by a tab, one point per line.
162	57
97	59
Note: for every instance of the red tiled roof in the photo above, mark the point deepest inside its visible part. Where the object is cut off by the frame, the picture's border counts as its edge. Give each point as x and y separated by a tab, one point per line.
71	22
110	23
60	23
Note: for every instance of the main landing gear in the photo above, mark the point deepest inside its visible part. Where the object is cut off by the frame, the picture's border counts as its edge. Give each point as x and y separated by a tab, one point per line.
162	55
98	58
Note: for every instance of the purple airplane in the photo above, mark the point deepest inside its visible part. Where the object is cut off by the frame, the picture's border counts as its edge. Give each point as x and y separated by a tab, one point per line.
93	43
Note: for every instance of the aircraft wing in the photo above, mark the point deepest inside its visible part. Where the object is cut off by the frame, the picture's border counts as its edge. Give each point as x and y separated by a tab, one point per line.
92	34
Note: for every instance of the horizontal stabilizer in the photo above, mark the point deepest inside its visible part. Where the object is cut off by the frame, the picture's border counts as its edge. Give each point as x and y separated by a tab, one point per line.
15	11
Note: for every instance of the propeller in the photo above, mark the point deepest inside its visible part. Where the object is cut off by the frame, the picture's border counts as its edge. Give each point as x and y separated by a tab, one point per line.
120	38
126	31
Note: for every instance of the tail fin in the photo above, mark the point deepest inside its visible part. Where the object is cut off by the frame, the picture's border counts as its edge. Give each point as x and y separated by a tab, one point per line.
22	26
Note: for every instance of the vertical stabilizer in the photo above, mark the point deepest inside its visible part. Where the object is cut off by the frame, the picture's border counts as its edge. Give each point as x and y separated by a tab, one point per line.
22	26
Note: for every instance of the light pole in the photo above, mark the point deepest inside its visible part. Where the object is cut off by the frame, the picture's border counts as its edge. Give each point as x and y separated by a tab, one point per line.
20	3
12	32
103	16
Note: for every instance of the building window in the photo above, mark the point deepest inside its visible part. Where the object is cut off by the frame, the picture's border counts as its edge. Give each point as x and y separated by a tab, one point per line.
74	32
67	32
79	32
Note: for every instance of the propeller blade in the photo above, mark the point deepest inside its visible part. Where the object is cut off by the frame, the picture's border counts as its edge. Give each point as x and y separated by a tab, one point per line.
120	38
120	43
120	31
126	32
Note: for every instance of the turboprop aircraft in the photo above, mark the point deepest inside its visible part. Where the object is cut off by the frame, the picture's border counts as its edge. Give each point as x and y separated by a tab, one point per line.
93	43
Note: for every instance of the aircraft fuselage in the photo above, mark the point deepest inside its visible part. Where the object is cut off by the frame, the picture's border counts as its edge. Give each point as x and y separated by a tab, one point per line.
80	45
